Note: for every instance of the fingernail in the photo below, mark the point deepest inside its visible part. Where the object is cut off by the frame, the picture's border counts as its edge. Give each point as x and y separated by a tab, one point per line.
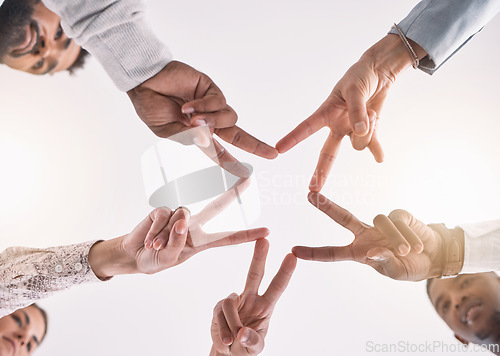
245	336
180	228
376	258
418	248
403	249
157	245
226	340
199	122
313	186
188	110
359	127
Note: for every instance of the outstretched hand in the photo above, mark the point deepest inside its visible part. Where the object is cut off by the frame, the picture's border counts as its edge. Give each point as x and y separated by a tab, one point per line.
240	322
180	98
354	106
167	238
398	246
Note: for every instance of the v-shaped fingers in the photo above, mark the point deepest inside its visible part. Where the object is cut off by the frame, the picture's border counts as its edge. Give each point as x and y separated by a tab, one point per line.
341	216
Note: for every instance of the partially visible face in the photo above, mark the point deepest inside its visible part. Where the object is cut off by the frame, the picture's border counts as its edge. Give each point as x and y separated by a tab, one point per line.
470	305
21	332
45	48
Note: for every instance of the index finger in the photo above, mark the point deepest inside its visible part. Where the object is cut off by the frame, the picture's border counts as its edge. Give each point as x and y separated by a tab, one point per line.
217	153
242	139
257	267
305	129
218	205
340	215
281	280
236	238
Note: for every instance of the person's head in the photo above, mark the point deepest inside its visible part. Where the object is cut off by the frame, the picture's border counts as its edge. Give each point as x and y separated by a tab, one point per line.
32	40
22	331
470	306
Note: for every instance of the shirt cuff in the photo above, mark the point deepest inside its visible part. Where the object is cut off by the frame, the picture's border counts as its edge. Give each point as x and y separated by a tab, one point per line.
482	247
443	27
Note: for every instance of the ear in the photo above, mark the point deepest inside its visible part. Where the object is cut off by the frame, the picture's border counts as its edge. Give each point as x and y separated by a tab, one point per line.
463	341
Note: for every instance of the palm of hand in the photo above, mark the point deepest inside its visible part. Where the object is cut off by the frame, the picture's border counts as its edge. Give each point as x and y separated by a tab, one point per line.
255	312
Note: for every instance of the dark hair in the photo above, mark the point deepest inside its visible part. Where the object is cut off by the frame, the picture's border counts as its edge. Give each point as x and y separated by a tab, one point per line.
79	62
15	15
45	318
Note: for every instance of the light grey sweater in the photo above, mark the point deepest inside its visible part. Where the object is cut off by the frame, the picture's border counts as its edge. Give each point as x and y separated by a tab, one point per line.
116	33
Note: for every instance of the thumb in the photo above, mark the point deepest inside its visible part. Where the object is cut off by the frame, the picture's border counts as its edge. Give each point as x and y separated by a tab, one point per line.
251	340
386	263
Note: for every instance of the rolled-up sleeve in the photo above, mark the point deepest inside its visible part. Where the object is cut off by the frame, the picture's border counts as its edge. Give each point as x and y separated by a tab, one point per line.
442	27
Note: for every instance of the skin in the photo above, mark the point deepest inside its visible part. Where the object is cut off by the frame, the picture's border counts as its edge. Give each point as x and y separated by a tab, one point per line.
354	105
166	238
21	332
181	100
240	322
453	298
46	48
397	246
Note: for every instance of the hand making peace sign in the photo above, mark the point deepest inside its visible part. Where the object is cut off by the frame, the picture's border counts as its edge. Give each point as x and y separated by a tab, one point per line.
240	322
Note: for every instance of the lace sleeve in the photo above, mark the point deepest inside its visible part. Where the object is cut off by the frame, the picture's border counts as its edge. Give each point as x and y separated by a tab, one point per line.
30	274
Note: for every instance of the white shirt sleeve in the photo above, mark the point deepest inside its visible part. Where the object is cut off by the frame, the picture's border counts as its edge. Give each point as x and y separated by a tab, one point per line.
31	274
482	247
117	34
442	27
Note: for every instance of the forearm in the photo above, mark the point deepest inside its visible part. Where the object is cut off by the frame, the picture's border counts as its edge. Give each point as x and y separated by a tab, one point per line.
117	34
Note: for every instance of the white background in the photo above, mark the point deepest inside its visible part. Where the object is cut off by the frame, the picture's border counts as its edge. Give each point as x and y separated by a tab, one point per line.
70	152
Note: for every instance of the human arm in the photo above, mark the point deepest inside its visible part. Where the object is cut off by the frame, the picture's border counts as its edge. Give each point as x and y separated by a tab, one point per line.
169	96
354	105
435	31
240	322
27	274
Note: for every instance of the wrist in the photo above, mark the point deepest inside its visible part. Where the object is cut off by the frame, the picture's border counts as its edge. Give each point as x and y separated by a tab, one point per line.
452	250
390	55
107	259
